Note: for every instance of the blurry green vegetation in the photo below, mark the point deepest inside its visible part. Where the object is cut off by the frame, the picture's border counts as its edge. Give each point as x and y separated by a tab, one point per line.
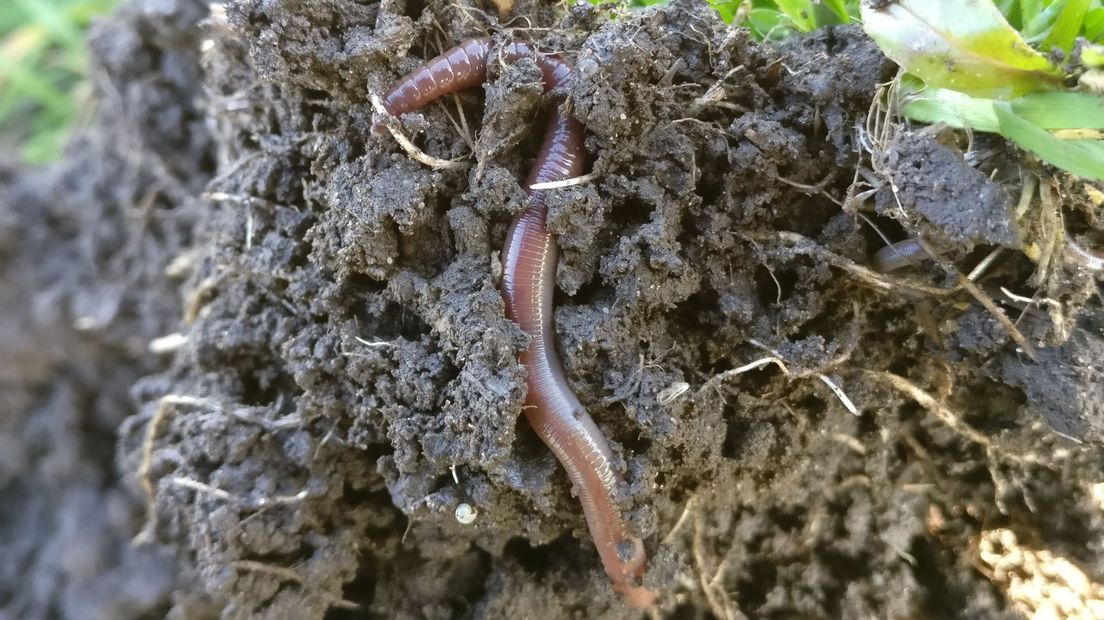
43	73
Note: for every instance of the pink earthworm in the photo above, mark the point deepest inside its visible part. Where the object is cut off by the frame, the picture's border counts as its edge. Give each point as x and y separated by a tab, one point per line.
529	270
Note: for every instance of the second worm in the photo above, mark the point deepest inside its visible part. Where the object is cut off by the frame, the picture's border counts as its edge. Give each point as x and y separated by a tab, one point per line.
529	266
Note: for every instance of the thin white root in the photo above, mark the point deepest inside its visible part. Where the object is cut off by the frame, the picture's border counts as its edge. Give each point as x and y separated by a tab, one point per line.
756	365
838	391
414	152
564	183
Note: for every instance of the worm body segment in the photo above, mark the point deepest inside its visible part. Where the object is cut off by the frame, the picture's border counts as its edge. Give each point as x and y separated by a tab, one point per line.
529	270
899	255
463	67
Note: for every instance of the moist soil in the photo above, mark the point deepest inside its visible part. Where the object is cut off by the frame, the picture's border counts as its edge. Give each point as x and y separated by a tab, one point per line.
255	356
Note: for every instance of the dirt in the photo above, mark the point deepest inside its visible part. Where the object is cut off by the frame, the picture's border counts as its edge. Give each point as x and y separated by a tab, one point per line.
255	356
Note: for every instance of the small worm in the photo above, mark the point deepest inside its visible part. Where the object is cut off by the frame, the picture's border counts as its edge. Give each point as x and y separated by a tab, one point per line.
529	270
899	255
463	67
909	252
1090	259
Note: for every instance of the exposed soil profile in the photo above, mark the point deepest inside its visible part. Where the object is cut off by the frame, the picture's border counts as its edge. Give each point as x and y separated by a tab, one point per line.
254	356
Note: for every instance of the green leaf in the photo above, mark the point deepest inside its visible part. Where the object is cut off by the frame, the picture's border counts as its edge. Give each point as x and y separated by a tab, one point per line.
1030	10
950	107
1011	11
51	17
1067	25
1036	30
1084	158
1050	111
800	13
1094	25
726	9
839	7
1092	56
962	44
769	23
1069	110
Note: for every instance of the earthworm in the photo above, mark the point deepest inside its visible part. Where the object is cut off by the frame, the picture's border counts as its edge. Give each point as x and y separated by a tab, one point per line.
1092	260
909	252
529	270
463	67
899	255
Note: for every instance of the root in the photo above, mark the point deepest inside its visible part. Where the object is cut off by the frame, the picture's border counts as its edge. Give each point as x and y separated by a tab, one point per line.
803	245
414	152
154	429
287	574
925	400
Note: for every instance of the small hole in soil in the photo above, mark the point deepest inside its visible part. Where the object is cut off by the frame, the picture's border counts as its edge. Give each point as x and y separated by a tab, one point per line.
592	292
699	311
888	227
753	592
812	407
387	320
630	214
257	395
428	248
539	560
414	8
634	444
709	188
771	290
734	439
361	590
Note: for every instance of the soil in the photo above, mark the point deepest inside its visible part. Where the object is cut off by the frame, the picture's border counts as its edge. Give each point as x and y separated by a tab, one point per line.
254	355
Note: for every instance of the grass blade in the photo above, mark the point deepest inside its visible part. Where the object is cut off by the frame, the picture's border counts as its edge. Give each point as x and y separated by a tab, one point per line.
1067	25
1084	158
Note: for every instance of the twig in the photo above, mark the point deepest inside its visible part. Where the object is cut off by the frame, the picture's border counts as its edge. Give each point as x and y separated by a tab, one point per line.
264	502
153	431
983	266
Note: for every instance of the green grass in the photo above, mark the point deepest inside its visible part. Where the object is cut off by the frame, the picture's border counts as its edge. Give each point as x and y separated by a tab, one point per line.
43	73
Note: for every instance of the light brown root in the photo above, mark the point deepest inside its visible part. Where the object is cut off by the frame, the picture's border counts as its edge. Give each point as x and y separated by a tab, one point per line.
925	400
154	428
287	574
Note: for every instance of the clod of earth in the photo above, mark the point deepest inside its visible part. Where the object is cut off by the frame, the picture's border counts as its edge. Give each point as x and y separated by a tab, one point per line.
529	274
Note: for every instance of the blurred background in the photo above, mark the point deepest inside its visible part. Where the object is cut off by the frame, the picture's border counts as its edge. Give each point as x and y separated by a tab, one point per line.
44	66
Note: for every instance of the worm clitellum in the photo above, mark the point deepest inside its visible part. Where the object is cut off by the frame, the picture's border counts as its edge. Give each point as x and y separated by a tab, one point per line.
529	270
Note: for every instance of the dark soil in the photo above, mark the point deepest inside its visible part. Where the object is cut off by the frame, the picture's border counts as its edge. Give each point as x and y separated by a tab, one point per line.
254	356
